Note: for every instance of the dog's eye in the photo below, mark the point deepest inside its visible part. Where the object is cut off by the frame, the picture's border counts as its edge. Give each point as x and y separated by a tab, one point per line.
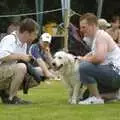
59	57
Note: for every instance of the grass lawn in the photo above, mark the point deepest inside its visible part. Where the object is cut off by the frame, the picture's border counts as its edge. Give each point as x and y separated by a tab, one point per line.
50	103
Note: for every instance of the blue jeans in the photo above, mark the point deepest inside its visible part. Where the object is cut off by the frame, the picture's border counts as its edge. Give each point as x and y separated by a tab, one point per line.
104	76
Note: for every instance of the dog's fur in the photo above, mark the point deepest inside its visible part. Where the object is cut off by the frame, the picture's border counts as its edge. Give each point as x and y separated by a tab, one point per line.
69	69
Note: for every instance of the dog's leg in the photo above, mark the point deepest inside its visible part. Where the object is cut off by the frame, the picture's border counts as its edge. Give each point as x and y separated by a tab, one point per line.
75	96
70	90
83	88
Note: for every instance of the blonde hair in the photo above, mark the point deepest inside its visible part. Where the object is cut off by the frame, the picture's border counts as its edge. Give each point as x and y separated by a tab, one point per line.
90	18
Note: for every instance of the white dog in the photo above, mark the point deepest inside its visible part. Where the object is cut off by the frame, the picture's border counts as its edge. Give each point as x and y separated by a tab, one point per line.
69	69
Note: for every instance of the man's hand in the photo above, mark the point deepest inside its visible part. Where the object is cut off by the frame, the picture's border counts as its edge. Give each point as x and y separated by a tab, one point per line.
25	57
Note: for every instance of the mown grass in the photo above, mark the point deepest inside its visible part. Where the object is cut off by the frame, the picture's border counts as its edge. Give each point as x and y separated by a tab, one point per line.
50	103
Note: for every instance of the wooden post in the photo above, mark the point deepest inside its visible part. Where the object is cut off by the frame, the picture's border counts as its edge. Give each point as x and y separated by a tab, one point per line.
66	25
99	11
39	8
66	6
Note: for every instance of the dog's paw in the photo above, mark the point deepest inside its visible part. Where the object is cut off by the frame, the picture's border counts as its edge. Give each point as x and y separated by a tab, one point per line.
73	101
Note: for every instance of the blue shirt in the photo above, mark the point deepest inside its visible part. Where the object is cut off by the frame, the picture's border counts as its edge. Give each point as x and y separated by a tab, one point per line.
37	52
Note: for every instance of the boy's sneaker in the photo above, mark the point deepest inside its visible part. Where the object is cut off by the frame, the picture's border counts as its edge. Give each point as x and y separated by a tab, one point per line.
4	96
92	100
5	99
17	101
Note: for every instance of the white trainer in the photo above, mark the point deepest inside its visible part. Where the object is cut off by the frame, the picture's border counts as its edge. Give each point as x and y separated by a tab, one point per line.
92	100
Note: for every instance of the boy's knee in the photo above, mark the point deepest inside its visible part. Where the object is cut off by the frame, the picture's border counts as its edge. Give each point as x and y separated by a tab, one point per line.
85	67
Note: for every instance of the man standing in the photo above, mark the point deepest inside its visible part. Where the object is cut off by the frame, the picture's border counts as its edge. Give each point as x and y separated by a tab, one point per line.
12	49
101	67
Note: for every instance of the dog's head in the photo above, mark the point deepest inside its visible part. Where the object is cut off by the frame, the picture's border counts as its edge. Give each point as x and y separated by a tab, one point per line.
61	58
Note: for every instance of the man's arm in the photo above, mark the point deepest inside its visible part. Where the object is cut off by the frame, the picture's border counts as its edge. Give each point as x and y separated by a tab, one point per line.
119	38
16	57
98	56
8	49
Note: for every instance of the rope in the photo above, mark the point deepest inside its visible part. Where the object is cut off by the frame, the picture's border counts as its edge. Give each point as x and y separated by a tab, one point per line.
27	14
37	13
75	13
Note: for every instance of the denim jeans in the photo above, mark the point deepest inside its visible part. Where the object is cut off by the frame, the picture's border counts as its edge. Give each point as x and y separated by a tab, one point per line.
104	76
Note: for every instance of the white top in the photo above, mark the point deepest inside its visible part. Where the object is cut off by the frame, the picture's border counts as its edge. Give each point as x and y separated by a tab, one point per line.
11	44
88	41
112	56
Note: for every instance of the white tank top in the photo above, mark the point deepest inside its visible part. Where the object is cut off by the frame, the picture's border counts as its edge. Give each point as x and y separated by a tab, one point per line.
112	57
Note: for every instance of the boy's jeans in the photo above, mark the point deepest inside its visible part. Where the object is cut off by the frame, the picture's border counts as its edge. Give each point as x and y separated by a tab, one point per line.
107	79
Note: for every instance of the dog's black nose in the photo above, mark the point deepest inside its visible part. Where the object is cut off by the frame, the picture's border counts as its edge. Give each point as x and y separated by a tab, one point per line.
54	64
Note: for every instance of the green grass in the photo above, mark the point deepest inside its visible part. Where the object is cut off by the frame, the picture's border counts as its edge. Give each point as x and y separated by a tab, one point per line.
50	103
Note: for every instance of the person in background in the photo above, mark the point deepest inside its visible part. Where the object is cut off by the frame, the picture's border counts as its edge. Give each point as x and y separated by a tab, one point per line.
114	31
103	24
101	67
41	52
13	26
13	49
76	44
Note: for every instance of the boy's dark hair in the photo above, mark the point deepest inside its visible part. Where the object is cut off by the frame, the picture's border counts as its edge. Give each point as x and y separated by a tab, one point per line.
29	25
